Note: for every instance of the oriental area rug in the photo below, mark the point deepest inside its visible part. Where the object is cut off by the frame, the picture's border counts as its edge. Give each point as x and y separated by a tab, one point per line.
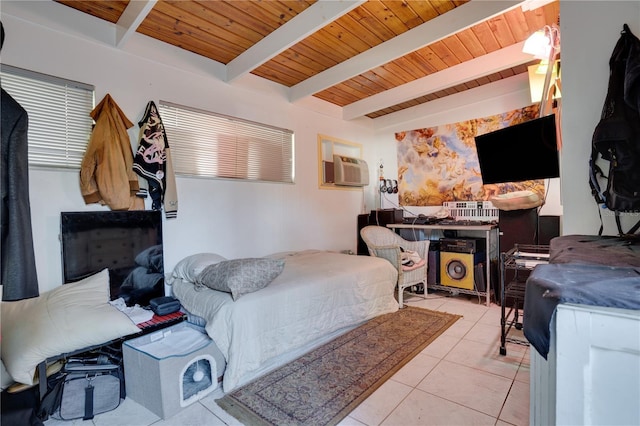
325	385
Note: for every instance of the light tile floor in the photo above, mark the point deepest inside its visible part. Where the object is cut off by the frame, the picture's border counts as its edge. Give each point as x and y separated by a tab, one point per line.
459	379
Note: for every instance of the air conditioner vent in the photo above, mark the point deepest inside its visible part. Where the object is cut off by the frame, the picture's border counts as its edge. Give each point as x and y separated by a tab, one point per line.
349	171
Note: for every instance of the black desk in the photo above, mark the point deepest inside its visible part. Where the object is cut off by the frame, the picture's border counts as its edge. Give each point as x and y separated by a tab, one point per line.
490	233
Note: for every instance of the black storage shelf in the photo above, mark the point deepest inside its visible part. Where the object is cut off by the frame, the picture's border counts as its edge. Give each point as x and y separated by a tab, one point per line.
522	258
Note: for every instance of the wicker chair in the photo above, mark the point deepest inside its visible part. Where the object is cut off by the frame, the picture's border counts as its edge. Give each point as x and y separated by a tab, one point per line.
383	242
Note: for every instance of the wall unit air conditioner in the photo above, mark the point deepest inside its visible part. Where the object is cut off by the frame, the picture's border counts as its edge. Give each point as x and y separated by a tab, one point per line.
349	171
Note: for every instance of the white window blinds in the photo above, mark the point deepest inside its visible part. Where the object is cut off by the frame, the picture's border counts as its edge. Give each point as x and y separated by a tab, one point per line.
212	145
58	109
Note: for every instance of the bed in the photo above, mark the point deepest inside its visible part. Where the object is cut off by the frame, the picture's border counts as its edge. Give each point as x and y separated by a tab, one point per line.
583	269
316	296
581	318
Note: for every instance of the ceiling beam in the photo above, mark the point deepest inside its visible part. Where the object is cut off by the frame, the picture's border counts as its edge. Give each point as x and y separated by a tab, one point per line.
131	18
490	63
456	20
297	29
465	105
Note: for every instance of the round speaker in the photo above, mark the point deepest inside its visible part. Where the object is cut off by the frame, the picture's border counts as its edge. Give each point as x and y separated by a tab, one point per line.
456	269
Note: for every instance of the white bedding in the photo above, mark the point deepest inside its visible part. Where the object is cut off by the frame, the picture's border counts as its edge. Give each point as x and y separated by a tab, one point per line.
318	295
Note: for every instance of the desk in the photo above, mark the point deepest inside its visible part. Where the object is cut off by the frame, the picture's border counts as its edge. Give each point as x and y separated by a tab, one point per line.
488	230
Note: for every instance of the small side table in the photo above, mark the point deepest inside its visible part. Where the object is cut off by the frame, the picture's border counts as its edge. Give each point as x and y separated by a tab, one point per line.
522	258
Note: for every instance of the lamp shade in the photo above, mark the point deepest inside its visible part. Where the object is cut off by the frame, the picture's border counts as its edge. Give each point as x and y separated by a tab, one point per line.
538	44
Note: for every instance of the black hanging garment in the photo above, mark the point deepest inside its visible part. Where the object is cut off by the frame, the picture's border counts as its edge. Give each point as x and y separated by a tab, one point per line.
617	136
19	278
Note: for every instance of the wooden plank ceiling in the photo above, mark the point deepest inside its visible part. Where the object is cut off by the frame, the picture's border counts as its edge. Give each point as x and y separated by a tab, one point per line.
348	53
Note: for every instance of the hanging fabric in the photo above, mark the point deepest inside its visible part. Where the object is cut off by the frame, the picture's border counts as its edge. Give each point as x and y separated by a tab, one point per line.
19	278
616	137
106	174
153	162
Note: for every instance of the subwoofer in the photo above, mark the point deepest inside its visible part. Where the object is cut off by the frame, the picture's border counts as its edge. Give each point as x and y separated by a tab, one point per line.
462	270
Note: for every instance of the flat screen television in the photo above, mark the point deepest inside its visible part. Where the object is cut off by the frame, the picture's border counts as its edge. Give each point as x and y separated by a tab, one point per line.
524	151
128	243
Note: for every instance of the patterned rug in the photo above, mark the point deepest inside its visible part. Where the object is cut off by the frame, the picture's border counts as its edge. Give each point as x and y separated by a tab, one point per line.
325	385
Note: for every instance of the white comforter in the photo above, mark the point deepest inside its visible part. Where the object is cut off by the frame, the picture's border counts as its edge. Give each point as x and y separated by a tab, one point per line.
318	295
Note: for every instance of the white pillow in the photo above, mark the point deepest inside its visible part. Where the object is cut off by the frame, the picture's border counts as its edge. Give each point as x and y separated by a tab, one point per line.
67	318
190	267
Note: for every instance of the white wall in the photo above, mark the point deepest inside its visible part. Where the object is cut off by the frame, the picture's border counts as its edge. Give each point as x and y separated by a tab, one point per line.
252	219
234	219
494	98
589	31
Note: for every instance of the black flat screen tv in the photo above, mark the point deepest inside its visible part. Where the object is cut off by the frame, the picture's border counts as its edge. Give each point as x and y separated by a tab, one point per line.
524	151
128	243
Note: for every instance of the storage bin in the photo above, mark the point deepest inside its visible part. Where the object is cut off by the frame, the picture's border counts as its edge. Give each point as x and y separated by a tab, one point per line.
170	369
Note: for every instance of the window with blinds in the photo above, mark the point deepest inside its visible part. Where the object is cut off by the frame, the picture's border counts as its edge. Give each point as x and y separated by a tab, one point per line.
58	110
207	144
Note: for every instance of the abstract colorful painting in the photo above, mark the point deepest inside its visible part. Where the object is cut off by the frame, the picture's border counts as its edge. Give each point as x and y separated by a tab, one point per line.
439	164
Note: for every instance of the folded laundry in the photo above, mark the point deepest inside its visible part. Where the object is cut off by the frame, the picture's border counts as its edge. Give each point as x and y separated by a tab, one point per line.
135	313
410	256
410	260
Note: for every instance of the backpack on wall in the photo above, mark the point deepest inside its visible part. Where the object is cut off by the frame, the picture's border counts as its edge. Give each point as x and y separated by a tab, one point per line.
617	136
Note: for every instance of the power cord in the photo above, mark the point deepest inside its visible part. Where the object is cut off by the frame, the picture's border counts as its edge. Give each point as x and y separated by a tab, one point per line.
399	207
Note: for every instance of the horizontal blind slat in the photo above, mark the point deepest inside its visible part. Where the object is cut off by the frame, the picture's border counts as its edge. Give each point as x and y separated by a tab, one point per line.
213	145
58	111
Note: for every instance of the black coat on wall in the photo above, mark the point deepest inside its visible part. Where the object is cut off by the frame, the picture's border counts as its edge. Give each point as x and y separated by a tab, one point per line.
19	279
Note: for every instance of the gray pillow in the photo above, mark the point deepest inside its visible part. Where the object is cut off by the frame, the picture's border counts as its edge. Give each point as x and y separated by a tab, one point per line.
240	276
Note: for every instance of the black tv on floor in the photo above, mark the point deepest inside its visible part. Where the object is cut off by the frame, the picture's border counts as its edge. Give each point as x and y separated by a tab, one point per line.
524	151
128	243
